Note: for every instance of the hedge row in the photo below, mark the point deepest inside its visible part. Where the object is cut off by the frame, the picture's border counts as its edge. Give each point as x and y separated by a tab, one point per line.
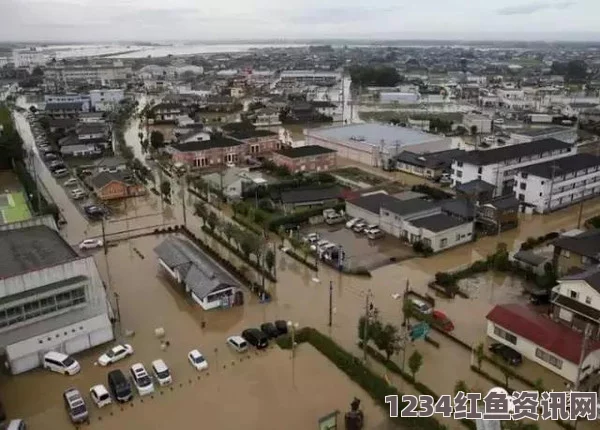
532	242
249	225
375	385
292	253
239	254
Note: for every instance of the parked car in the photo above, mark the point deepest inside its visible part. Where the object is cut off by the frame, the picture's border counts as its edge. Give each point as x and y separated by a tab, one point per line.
71	182
359	226
197	360
60	173
318	245
270	330
442	321
60	363
75	405
78	194
100	396
508	354
334	219
50	156
91	244
16	425
281	326
420	306
352	222
94	211
116	353
375	233
312	238
161	372
119	386
256	338
237	343
369	228
141	379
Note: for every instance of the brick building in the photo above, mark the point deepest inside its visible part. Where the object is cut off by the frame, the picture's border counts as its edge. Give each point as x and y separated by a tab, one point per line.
258	142
310	158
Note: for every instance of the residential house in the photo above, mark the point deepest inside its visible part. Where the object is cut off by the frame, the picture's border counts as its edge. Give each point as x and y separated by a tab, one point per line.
110	164
309	158
233	181
530	261
111	186
476	190
310	197
477	123
216	151
206	282
498	215
326	108
580	251
545	342
91	117
266	117
258	142
65	109
194	135
552	185
71	145
166	112
106	99
565	134
428	165
93	133
498	166
62	125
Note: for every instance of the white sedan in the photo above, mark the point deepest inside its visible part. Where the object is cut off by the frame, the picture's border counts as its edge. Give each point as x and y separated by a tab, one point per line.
100	396
91	244
197	360
115	354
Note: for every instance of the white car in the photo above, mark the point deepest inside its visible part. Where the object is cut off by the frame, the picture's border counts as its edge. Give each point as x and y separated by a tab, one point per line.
319	245
312	237
237	343
115	354
353	221
71	182
100	396
91	244
359	226
141	379
197	360
161	372
78	193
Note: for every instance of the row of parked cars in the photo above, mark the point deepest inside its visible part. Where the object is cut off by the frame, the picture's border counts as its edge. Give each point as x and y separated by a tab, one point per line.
324	249
359	225
120	386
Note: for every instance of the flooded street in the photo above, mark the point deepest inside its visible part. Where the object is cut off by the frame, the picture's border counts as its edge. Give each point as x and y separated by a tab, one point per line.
260	389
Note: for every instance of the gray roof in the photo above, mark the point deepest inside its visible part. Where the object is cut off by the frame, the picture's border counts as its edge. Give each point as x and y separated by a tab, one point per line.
459	207
437	223
31	249
375	134
374	202
535	132
510	152
311	195
433	160
199	273
214	142
586	243
530	257
63	106
591	276
69	140
91	128
563	166
110	162
304	151
504	202
475	186
104	178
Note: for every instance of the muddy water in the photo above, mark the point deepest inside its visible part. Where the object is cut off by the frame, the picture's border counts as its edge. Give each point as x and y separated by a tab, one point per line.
148	300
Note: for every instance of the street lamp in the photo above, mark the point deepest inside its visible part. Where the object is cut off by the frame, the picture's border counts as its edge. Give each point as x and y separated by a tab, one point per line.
293	326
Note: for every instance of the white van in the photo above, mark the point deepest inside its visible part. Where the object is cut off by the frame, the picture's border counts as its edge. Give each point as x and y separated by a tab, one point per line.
238	343
61	363
161	372
17	425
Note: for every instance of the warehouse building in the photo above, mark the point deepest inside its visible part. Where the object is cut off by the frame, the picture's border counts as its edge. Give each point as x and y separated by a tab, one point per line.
51	299
375	144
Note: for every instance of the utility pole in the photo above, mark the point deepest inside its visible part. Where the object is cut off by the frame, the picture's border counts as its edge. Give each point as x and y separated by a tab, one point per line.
551	185
587	334
330	303
183	200
366	326
104	236
37	182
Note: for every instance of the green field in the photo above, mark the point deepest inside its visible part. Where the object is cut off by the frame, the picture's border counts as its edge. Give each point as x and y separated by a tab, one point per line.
13	207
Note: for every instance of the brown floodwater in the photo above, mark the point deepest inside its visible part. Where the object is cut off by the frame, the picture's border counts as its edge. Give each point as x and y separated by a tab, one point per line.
148	300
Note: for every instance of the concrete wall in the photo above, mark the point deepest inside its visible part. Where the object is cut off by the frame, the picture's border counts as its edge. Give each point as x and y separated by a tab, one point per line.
454	236
354	211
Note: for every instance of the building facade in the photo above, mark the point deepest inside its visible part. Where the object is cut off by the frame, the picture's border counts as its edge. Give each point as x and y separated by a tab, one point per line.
311	158
106	99
63	76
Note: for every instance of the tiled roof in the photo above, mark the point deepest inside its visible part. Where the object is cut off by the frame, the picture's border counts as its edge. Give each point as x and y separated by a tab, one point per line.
586	243
563	166
304	151
542	331
591	276
492	156
437	222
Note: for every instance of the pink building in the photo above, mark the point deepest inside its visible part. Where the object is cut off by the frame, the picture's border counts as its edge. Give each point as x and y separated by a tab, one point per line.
311	158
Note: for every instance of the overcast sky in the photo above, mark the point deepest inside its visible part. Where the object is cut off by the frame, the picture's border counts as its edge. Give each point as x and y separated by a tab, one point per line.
156	20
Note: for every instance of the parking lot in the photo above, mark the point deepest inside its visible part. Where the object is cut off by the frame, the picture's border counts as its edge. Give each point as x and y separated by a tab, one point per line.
359	250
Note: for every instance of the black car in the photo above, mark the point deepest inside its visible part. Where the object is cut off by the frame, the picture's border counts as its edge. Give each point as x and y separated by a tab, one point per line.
256	338
270	330
119	386
509	355
94	211
281	326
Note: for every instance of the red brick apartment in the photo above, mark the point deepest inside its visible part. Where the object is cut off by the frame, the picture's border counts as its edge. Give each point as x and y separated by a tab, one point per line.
311	158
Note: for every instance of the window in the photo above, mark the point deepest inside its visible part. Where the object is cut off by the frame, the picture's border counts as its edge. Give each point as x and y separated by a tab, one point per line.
540	194
523	185
523	175
522	197
459	173
480	170
459	164
588	300
443	243
457	237
505	335
548	358
574	294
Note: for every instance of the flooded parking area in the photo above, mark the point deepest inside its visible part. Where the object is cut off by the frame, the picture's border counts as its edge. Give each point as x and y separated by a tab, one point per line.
361	251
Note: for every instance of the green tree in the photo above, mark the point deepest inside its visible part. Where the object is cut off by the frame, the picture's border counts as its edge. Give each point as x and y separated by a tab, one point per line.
270	260
479	354
538	385
387	340
228	230
201	210
157	139
415	361
126	152
144	144
249	244
165	188
461	386
32	109
212	220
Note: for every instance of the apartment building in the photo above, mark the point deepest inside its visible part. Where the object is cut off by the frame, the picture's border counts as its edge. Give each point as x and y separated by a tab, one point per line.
308	77
106	99
523	135
310	158
499	166
66	75
28	57
558	183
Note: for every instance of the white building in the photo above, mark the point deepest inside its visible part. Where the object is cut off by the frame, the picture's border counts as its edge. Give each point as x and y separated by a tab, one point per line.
482	122
566	134
308	77
208	284
84	99
498	166
375	144
555	184
63	76
543	341
28	58
4	61
412	220
398	97
233	181
106	100
52	299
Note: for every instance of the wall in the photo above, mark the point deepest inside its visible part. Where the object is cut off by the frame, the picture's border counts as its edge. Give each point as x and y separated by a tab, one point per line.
358	212
585	294
314	163
113	190
395	224
356	151
464	233
527	349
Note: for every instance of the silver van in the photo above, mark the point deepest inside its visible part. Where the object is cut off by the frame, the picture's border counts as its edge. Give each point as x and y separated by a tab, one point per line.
75	405
238	343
